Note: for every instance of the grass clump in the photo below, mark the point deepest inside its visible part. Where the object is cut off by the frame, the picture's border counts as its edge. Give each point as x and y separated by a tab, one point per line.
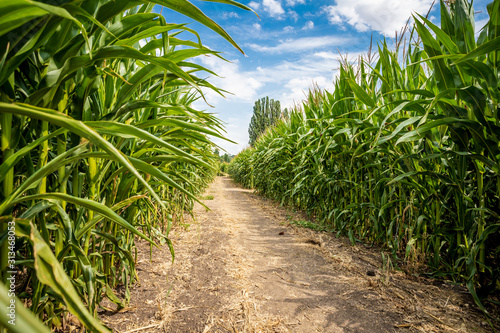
308	225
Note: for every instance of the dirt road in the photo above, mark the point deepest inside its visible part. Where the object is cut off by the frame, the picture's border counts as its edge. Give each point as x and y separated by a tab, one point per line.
242	267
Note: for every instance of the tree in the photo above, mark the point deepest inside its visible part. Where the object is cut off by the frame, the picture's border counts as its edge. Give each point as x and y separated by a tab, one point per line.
226	158
285	114
265	113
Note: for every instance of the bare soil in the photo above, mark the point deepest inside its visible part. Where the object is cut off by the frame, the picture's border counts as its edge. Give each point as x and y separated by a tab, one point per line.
242	267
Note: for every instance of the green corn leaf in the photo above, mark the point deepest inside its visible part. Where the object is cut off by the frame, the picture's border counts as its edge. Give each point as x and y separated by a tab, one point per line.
113	298
447	24
398	129
87	274
16	157
81	231
361	94
50	272
116	243
89	204
18	12
182	124
25	321
463	15
484	49
114	128
39	175
186	8
79	128
442	36
56	77
444	77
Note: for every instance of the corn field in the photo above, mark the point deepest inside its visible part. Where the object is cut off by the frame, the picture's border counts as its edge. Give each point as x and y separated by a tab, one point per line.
405	152
100	147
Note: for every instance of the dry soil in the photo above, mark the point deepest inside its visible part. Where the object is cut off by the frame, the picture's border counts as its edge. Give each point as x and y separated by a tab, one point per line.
242	267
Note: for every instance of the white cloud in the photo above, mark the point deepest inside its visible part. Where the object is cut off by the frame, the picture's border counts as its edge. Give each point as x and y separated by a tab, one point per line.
227	15
294	2
301	44
288	29
308	26
273	7
292	79
231	78
299	87
257	27
293	15
386	16
254	5
286	81
327	55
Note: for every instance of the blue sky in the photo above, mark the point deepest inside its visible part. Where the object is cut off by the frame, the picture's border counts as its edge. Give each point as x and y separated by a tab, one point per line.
290	46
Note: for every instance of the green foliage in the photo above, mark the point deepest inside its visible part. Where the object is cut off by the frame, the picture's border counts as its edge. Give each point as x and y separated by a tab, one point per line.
25	321
266	113
226	158
404	152
100	144
241	168
308	225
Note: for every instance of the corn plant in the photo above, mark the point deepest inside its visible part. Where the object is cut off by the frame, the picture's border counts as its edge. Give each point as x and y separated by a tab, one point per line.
100	145
404	152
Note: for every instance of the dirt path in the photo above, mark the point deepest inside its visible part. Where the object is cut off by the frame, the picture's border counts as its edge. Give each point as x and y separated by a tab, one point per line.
241	267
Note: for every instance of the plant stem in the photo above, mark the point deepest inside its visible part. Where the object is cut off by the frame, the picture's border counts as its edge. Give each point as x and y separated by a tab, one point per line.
481	223
7	184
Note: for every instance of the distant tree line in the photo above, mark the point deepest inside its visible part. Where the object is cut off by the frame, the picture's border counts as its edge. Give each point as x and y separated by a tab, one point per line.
223	158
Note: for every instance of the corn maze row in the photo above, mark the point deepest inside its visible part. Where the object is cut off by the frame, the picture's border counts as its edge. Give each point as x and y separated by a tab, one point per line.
100	147
405	152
